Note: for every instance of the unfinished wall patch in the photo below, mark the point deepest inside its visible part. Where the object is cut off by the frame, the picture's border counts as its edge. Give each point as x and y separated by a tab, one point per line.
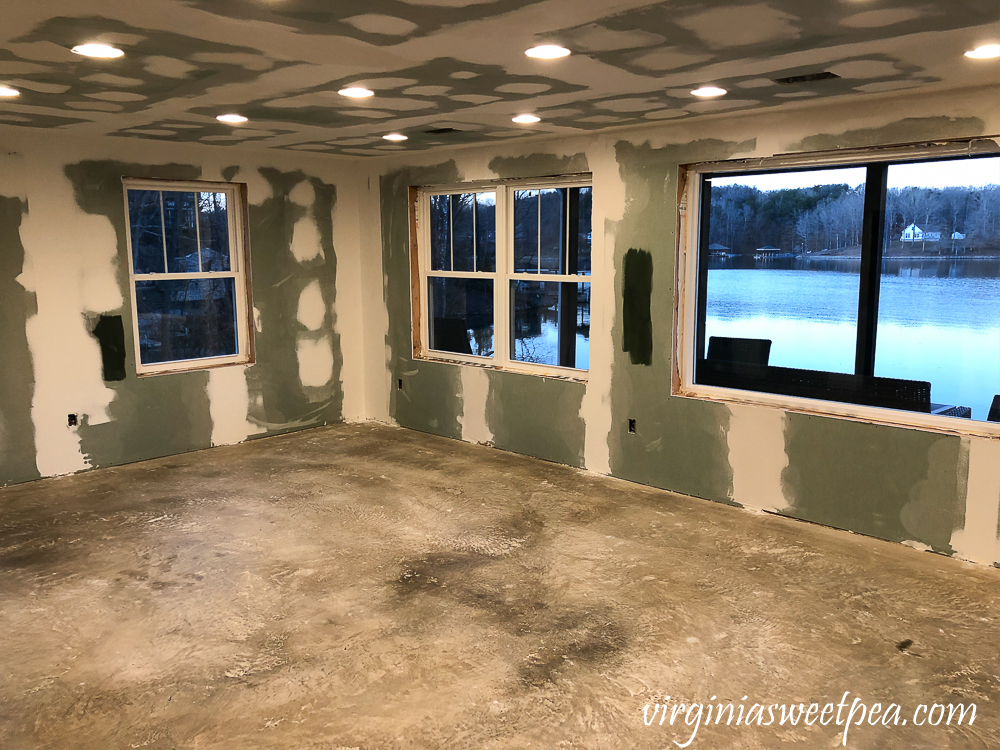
637	292
908	130
888	482
475	394
538	165
979	538
537	416
277	382
312	308
757	456
229	403
17	378
431	398
315	361
680	444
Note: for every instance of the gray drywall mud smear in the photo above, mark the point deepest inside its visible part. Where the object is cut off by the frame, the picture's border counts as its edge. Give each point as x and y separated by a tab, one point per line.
149	417
278	280
537	416
680	444
17	378
637	292
893	483
909	130
526	413
538	165
431	397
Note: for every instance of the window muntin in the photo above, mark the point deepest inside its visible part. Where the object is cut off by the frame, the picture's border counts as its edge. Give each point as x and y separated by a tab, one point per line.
897	320
187	271
481	252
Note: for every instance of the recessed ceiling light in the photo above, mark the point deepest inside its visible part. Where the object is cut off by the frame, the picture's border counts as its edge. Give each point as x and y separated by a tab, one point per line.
709	91
232	119
526	119
547	52
356	92
395	137
100	51
986	52
7	91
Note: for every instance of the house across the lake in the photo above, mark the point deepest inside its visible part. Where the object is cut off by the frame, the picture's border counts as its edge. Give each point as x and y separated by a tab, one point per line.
913	233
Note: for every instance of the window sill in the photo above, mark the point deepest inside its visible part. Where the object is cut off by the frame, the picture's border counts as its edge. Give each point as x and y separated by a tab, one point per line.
838	410
548	372
196	368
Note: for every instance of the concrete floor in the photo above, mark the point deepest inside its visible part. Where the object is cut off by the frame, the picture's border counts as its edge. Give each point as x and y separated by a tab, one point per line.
363	586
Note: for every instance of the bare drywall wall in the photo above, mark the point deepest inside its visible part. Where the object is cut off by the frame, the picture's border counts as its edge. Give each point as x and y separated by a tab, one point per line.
64	241
908	485
17	433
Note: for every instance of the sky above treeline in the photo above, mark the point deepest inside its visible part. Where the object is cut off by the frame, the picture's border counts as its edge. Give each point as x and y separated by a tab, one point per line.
933	174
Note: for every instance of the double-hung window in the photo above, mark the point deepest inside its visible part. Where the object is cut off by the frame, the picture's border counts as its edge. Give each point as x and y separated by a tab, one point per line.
865	282
188	275
503	275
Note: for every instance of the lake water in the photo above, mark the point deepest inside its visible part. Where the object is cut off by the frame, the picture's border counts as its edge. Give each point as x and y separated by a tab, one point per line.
939	320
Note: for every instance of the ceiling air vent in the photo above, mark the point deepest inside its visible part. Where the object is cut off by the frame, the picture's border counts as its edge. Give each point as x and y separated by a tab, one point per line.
826	75
441	131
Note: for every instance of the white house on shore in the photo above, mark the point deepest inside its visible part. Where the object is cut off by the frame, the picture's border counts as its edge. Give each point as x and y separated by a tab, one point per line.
913	233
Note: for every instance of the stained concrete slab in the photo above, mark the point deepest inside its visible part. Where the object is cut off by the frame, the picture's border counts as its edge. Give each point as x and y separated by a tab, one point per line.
369	586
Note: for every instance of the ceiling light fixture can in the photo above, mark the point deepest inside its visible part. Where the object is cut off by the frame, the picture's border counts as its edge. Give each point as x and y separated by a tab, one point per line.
709	91
395	137
232	119
8	92
98	51
356	92
547	52
986	52
526	119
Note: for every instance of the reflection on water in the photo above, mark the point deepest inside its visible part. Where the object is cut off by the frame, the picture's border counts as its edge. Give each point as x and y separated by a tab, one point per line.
939	320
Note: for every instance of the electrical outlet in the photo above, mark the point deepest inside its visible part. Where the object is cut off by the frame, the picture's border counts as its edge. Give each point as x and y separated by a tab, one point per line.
631	427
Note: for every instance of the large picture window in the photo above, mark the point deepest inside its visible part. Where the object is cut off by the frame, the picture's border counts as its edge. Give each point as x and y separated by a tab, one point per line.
187	267
871	284
503	275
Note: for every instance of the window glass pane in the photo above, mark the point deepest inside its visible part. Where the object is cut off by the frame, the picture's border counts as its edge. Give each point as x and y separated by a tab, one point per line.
146	231
553	230
179	216
462	232
461	316
525	231
581	229
186	319
486	232
213	224
939	305
551	324
784	264
441	232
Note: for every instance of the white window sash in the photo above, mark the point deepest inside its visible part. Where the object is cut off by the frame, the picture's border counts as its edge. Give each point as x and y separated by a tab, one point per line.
238	253
502	312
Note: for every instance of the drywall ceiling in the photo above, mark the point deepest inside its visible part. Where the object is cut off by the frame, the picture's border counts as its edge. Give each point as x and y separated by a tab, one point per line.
460	64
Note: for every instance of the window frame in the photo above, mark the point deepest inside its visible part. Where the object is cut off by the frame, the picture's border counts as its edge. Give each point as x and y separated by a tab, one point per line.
420	271
239	254
688	280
